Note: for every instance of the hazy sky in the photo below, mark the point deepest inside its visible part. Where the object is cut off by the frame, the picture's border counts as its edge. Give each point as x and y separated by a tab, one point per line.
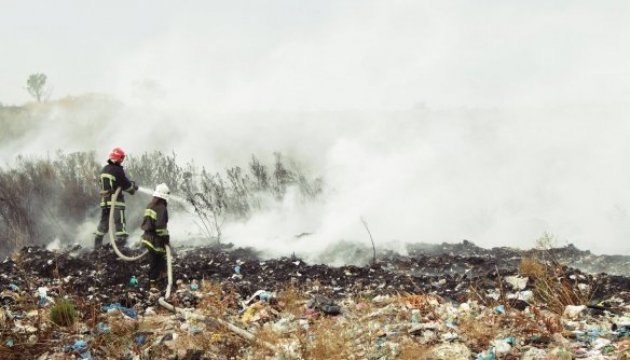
521	122
311	55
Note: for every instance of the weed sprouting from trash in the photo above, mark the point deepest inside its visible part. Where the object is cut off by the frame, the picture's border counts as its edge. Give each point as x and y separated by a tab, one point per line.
63	313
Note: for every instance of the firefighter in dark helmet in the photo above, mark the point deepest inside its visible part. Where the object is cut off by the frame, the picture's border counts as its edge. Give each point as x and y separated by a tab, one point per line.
113	177
156	236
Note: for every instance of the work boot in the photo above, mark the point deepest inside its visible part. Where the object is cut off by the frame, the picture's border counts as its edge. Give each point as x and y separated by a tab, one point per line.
154	292
121	242
98	242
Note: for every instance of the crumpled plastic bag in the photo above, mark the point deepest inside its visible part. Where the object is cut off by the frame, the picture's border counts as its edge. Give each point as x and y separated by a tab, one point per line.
324	305
125	310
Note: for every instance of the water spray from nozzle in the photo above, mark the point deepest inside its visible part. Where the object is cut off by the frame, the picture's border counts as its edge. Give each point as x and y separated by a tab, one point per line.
144	190
171	197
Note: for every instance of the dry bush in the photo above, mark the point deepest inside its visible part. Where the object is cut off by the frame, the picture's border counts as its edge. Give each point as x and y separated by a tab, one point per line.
43	199
150	169
551	285
532	267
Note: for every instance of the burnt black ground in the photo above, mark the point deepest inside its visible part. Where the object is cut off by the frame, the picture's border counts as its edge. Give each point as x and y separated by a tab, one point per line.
448	270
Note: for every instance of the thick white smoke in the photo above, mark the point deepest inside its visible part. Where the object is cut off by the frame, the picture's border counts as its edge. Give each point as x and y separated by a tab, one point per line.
519	121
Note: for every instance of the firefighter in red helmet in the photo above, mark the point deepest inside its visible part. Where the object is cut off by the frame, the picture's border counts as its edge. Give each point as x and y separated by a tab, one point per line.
113	177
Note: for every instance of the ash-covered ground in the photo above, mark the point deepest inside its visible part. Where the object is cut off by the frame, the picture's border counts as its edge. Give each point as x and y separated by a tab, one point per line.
448	270
455	274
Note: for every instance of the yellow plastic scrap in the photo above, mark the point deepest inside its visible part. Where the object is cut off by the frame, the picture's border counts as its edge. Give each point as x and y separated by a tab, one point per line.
216	337
251	311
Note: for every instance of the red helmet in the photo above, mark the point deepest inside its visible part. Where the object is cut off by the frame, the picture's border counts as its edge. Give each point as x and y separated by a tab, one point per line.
117	155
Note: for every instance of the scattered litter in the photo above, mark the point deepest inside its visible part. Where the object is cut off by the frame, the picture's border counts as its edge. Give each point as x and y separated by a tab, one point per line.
573	311
102	328
117	307
500	310
437	303
324	305
194	285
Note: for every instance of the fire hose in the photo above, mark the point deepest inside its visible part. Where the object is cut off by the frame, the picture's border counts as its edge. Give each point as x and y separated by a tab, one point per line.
169	271
111	232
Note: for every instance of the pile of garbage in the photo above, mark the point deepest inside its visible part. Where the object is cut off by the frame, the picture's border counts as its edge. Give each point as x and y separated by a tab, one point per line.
460	303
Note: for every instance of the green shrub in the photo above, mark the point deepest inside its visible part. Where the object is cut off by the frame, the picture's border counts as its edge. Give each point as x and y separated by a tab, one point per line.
63	313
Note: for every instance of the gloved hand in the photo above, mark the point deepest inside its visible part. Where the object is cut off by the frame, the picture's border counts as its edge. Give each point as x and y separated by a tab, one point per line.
134	188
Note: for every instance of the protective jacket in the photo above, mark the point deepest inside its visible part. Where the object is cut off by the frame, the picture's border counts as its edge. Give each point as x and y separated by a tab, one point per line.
112	177
154	225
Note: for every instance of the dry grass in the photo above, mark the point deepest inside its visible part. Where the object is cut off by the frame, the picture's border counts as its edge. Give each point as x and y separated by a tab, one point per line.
411	350
550	321
551	285
219	301
532	267
325	340
113	345
292	300
624	349
480	333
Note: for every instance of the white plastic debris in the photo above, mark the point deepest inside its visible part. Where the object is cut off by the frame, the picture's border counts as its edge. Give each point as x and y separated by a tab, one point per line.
149	311
451	351
600	343
501	347
517	282
526	295
584	288
573	311
534	354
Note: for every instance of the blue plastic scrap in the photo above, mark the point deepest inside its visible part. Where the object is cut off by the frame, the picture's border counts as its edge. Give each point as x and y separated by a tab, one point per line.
500	310
125	310
80	347
486	355
623	331
510	340
140	339
102	328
